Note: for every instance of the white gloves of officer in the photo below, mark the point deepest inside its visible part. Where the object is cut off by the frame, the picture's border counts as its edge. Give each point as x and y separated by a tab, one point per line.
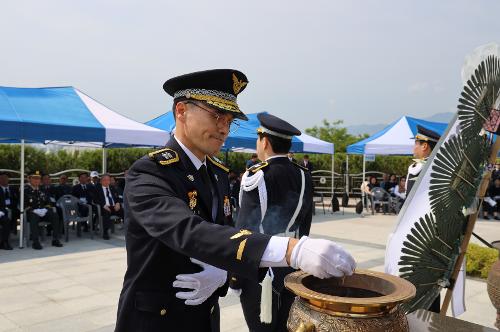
2	214
322	258
203	284
40	212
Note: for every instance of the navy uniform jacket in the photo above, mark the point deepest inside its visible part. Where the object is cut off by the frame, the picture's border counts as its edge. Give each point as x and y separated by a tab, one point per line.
168	221
36	199
88	193
283	181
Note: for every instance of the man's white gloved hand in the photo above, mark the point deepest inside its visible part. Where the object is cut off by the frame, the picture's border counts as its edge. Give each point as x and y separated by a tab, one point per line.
203	284
2	214
322	258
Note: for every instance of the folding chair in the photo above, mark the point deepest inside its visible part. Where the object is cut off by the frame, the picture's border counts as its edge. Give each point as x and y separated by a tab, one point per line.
70	213
382	197
318	199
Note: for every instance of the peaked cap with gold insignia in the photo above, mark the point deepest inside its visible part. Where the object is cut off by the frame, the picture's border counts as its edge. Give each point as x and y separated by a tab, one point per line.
217	88
426	135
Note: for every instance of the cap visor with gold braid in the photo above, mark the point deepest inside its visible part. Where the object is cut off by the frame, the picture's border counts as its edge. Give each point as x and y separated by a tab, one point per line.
217	88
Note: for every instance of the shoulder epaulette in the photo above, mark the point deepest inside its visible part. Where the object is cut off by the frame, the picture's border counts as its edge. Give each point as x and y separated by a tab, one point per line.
218	163
164	156
258	166
300	166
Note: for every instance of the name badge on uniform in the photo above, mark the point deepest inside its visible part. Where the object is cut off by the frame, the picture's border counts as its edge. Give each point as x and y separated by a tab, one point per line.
193	200
227	206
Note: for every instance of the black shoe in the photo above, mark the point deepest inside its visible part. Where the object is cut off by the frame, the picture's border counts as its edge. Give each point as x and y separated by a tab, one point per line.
105	236
486	218
37	246
6	246
57	243
497	218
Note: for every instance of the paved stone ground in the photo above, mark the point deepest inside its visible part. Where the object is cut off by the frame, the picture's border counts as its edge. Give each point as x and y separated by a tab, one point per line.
76	288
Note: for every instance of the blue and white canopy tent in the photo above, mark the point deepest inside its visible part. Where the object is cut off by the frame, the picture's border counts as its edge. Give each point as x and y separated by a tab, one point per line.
40	115
395	139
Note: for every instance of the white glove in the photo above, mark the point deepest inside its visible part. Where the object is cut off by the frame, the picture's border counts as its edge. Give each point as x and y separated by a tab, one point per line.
2	214
322	258
203	284
38	212
233	291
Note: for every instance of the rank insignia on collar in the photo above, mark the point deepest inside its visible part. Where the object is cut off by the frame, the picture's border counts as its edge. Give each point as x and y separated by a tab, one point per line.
192	195
227	206
164	156
190	178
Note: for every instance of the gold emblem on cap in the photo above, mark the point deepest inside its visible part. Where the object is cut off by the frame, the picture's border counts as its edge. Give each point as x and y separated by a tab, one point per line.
237	84
188	95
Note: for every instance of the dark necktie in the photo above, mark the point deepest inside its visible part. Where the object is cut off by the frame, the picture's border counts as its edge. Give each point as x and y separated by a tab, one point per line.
110	199
208	183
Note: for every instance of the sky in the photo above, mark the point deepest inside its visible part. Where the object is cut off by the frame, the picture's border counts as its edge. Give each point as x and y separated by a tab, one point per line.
363	62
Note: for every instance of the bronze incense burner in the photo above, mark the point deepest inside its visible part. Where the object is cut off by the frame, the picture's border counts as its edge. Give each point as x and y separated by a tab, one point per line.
365	301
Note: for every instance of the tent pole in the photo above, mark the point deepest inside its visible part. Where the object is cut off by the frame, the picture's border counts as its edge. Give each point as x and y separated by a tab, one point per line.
21	203
363	194
333	175
104	160
347	173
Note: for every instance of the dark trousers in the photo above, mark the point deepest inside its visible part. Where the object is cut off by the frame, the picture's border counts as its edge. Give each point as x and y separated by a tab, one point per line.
83	210
106	217
4	229
49	217
13	220
250	302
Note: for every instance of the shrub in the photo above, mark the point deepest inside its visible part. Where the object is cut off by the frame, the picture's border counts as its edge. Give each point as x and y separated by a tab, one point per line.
479	260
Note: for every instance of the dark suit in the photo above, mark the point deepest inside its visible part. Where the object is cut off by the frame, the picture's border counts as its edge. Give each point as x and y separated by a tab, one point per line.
61	190
283	183
100	200
169	219
86	194
13	195
307	165
4	221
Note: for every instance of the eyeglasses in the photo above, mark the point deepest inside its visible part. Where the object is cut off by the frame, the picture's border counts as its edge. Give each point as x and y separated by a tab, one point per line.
220	120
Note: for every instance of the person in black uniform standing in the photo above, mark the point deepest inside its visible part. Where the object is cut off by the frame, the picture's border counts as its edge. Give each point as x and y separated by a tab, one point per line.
425	141
4	224
276	199
39	209
179	237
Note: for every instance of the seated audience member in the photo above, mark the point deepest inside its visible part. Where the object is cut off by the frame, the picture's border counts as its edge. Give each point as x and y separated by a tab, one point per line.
400	192
85	192
11	199
94	177
63	188
4	224
385	179
39	209
116	187
372	183
252	161
492	200
291	157
110	203
390	184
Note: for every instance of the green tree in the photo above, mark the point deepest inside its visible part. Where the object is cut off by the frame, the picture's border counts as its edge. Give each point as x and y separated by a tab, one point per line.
334	132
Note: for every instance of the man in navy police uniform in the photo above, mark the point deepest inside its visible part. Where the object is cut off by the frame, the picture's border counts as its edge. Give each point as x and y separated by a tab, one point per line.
180	240
276	199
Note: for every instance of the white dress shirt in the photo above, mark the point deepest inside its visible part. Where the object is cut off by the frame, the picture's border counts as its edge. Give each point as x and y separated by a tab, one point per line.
108	203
